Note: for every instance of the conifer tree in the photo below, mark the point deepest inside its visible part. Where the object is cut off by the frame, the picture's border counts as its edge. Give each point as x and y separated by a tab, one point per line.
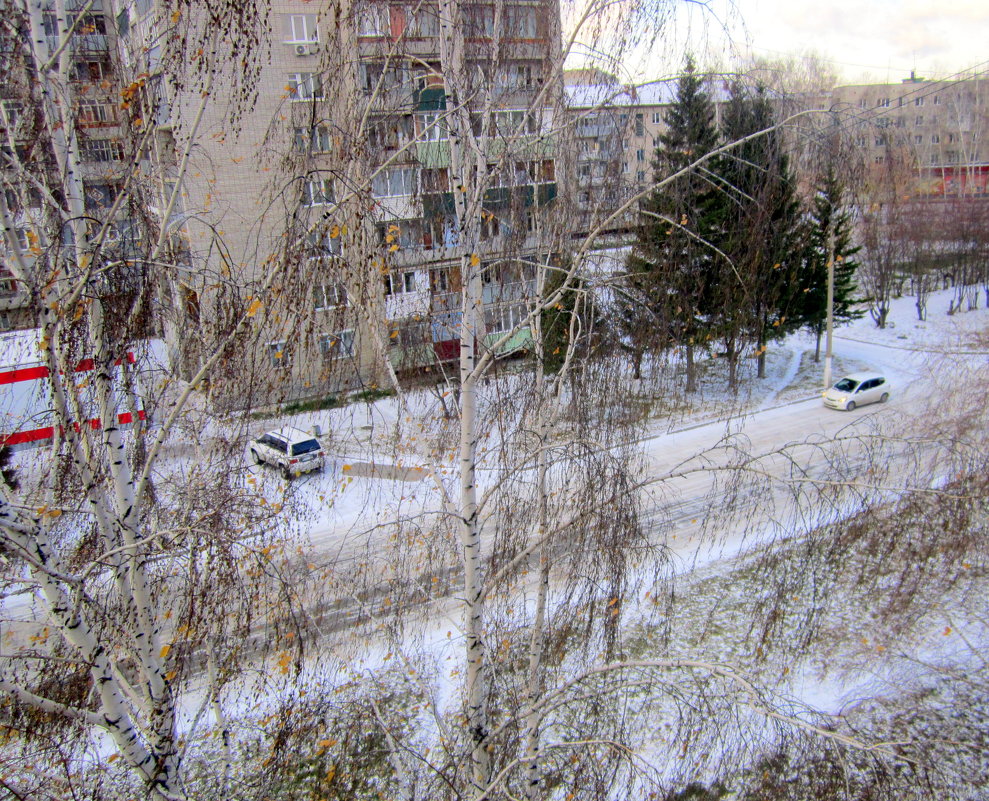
830	237
670	268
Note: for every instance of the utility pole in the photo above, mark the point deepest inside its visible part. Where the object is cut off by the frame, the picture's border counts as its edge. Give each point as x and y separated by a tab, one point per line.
830	323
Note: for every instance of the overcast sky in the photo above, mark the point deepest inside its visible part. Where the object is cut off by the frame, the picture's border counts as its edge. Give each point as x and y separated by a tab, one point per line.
864	40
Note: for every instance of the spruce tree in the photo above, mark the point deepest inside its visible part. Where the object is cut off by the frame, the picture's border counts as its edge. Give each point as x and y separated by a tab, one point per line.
830	237
764	235
669	289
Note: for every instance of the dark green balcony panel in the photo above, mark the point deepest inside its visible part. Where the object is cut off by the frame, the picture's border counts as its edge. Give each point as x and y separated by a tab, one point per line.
547	194
437	204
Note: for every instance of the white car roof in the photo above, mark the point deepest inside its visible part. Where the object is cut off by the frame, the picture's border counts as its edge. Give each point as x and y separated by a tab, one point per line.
860	377
292	434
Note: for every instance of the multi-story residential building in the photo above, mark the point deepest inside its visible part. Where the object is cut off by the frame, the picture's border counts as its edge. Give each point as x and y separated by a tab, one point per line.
943	125
345	164
29	163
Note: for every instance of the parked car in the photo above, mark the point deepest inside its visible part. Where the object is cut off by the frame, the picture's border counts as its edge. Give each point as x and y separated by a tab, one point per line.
291	450
857	389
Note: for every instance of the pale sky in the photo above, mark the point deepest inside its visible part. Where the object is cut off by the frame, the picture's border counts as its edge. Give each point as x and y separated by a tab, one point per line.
864	40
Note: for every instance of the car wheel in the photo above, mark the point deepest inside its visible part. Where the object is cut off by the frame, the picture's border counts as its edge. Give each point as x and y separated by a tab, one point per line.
255	457
884	398
850	407
286	474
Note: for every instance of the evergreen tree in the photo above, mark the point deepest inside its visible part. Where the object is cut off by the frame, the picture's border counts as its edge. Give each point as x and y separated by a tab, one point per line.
830	227
667	296
764	236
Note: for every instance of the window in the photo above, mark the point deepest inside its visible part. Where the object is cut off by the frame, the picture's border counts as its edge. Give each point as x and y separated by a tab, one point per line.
918	101
657	118
102	150
302	28
500	319
305	86
951	139
393	182
640	155
317	139
90	71
422	21
521	22
918	121
439	280
328	243
640	176
317	192
879	159
278	355
918	139
5	324
935	139
400	235
337	345
8	284
862	103
883	102
373	20
937	100
879	141
516	76
860	141
93	112
640	129
400	283
12	110
434	127
329	296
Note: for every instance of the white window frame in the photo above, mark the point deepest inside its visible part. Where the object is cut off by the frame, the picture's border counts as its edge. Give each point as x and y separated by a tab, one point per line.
386	181
299	27
317	192
401	282
337	345
373	20
278	355
434	127
329	296
657	118
305	86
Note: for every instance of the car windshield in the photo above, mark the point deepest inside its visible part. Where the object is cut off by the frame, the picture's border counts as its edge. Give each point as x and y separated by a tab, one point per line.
846	385
308	446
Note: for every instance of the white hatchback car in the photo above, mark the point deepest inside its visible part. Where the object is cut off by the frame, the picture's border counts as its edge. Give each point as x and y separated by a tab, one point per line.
291	450
857	389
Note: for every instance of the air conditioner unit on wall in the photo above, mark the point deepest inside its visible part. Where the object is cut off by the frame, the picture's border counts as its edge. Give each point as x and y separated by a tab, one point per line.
305	49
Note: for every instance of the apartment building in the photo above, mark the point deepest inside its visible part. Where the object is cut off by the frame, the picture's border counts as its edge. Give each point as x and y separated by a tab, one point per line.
28	165
943	125
344	163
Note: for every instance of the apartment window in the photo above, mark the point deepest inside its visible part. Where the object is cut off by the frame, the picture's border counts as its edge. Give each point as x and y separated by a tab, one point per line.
8	284
490	227
937	100
863	103
657	118
373	20
935	139
439	281
12	110
305	86
640	176
94	112
400	283
92	71
337	345
879	159
328	243
860	141
102	150
883	102
517	76
480	20
316	139
918	101
879	141
951	139
521	22
302	28
500	319
403	235
5	324
918	139
918	121
640	155
434	127
393	182
278	355
317	192
329	296
640	128
422	21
